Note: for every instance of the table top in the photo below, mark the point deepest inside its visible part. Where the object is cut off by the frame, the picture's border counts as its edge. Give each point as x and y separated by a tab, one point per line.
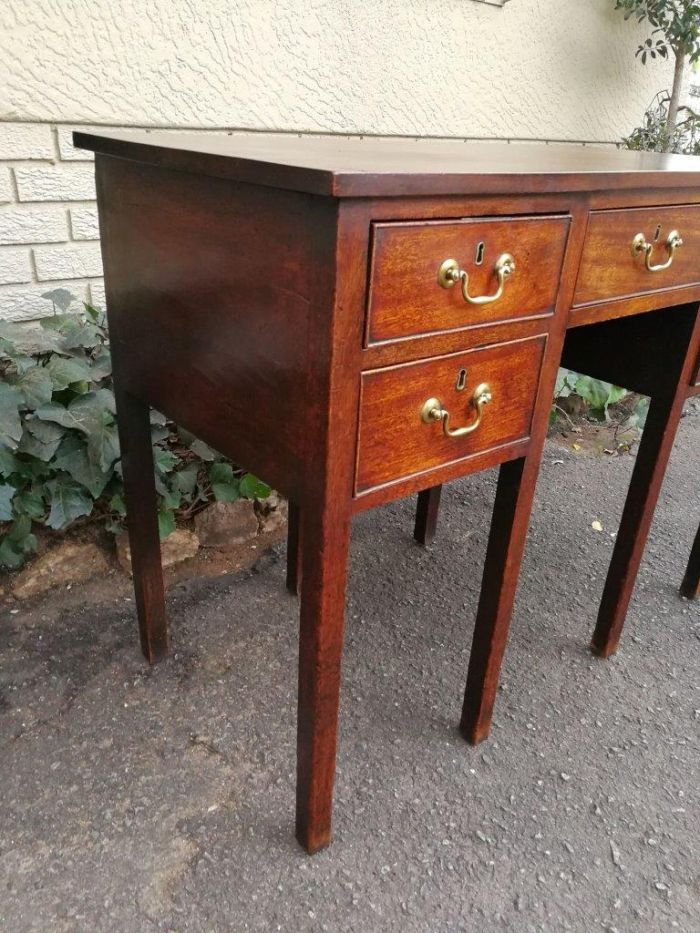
342	166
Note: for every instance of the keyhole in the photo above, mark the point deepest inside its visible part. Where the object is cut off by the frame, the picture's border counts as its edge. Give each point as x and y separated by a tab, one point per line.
658	232
479	253
461	380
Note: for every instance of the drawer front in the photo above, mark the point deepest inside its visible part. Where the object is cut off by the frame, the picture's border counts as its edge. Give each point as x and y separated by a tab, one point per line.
609	267
406	299
396	442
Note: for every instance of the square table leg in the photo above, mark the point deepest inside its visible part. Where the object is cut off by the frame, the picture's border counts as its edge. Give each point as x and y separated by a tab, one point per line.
142	522
690	587
645	485
427	512
511	515
294	549
325	540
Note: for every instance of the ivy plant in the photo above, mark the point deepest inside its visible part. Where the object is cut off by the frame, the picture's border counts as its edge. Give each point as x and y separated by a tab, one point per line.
59	448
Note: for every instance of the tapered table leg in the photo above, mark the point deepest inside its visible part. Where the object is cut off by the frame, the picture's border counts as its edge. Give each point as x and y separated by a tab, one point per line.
325	539
511	514
142	522
293	549
690	587
427	515
649	468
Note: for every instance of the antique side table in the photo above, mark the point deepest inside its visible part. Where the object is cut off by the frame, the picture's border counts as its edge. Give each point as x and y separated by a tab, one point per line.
360	320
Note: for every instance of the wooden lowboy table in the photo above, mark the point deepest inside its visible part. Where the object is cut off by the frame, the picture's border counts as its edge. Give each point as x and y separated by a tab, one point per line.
359	320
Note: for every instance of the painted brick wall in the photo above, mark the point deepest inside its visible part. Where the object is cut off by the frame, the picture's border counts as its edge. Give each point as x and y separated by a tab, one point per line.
49	236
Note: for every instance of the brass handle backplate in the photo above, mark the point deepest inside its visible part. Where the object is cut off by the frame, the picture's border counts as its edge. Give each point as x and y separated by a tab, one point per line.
433	411
640	244
449	274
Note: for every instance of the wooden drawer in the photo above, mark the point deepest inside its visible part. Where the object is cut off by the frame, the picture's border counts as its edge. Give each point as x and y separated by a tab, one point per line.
394	441
405	298
609	269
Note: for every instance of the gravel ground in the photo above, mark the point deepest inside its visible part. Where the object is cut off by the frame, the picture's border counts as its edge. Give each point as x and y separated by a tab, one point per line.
162	799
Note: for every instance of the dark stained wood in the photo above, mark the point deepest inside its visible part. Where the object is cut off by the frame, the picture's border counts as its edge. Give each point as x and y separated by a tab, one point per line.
654	451
238	279
133	420
215	307
394	442
294	549
610	270
374	167
332	403
511	515
427	515
405	299
690	588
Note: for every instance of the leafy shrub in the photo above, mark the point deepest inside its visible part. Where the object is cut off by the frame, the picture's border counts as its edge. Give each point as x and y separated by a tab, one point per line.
59	450
597	394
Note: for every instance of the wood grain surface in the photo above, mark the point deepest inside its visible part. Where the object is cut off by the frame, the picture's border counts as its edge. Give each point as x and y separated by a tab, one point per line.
406	300
394	443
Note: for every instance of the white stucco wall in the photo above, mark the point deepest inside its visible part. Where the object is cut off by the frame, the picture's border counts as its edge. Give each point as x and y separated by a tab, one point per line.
533	69
559	69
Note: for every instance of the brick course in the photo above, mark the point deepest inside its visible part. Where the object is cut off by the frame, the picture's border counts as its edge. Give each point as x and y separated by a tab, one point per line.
49	236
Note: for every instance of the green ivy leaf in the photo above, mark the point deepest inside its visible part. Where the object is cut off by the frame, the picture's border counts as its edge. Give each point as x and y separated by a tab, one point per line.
8	462
253	488
40	439
224	484
101	366
172	498
30	502
166	523
165	460
20	340
159	434
220	473
7	494
36	386
64	372
68	502
185	480
10	424
103	444
60	297
72	457
17	543
117	504
92	415
203	451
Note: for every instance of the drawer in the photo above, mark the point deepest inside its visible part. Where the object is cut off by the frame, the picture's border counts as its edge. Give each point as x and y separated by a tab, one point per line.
609	267
396	442
405	298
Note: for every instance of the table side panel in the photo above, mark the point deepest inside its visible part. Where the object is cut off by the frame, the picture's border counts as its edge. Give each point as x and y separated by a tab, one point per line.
210	288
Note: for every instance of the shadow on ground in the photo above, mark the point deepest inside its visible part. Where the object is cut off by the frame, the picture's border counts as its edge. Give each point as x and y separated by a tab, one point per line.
137	799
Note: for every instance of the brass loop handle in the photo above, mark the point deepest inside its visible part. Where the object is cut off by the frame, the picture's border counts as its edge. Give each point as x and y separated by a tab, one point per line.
432	411
449	274
640	244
